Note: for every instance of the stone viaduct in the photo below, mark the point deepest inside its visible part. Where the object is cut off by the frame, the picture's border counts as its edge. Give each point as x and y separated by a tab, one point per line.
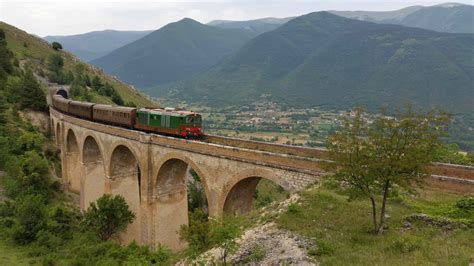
149	170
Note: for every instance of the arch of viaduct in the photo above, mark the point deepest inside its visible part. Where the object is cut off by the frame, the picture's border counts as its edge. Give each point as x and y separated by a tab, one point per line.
149	170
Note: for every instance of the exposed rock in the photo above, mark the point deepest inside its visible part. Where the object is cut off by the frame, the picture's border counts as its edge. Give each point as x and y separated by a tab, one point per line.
442	222
266	244
37	119
279	247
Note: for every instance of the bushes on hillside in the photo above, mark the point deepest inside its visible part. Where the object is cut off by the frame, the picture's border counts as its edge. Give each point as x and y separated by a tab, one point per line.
105	89
30	219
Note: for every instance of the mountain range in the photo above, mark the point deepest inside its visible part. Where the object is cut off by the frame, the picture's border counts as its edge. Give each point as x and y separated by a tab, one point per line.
174	52
316	59
92	45
448	17
324	59
256	26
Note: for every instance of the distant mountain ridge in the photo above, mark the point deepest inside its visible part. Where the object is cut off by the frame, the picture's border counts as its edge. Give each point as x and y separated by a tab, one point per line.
256	26
447	17
174	52
92	45
324	59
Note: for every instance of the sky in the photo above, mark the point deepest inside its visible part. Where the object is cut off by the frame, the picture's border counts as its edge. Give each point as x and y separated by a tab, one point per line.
67	17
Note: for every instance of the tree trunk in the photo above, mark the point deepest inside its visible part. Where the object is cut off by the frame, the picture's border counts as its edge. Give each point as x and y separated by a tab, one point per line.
374	214
382	212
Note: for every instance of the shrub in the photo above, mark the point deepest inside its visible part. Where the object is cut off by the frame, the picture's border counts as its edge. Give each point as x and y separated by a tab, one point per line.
405	244
107	216
30	219
197	233
56	46
466	204
321	249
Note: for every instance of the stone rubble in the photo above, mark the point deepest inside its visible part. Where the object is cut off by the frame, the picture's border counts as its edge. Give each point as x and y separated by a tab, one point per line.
277	246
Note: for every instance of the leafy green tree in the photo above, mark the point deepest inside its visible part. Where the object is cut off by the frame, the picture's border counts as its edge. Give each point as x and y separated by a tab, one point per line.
96	83
32	96
79	92
69	77
224	233
35	170
374	158
450	153
56	46
116	98
55	63
196	196
108	216
30	219
197	234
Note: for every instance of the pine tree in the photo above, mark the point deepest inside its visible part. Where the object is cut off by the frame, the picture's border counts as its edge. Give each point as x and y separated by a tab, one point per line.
6	66
31	94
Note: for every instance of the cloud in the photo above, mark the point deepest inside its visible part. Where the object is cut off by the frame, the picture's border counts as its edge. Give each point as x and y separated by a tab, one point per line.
62	17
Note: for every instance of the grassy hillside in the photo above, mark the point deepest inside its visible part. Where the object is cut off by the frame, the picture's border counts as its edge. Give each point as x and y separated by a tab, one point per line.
176	51
35	51
341	229
323	59
92	45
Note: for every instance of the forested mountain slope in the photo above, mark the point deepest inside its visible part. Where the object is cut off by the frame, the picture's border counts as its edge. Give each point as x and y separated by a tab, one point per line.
324	59
257	26
448	17
174	52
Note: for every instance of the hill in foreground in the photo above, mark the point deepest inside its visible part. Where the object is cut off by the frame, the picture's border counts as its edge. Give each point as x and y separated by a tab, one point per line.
174	52
326	60
36	52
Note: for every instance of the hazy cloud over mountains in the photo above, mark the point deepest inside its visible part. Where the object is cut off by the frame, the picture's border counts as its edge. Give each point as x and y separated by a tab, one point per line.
54	17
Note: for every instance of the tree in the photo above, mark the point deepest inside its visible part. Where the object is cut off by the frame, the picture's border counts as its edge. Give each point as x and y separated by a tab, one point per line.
57	46
197	233
374	158
55	63
6	56
224	232
96	83
108	216
30	219
32	96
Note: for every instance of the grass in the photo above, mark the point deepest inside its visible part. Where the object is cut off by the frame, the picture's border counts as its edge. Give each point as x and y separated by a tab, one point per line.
11	254
268	192
342	231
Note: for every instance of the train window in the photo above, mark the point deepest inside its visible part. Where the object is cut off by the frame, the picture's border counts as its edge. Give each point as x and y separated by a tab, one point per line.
189	119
